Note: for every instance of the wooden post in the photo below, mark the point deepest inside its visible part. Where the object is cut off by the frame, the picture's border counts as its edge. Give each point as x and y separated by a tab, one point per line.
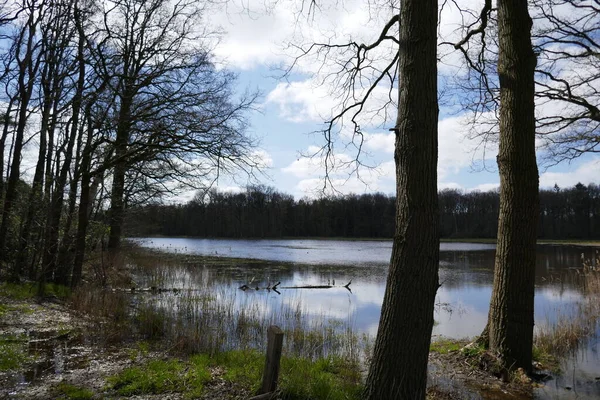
274	346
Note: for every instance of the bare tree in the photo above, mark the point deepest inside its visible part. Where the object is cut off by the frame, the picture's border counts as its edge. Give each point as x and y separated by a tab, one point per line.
509	331
402	58
27	58
171	106
566	37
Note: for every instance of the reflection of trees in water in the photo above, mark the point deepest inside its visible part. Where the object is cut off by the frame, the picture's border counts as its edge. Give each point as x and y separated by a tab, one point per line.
556	267
458	269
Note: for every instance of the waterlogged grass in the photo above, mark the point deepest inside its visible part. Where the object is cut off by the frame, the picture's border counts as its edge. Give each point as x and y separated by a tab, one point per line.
66	391
197	316
573	326
13	353
160	377
546	360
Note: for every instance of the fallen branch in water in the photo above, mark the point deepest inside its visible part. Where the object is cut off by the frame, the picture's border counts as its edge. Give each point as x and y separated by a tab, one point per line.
275	287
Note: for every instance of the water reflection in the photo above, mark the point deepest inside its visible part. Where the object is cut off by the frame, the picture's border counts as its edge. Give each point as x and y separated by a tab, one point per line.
466	273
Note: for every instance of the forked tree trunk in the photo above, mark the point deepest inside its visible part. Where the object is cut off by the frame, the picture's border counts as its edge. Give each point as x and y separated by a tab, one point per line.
399	366
510	323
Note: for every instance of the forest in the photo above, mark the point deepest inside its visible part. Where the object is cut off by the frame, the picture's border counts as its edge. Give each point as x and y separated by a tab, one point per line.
104	105
264	212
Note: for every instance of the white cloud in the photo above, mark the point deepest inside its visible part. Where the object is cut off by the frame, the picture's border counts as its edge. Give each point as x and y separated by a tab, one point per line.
262	158
485	187
586	173
302	101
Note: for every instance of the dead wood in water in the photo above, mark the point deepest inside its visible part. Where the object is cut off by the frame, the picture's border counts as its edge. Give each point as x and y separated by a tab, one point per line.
276	286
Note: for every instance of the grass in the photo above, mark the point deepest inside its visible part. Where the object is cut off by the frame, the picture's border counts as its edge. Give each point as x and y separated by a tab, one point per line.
199	318
12	353
445	345
25	291
330	378
67	391
161	377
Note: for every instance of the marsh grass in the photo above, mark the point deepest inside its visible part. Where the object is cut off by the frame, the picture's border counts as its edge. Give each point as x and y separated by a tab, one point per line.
573	325
204	316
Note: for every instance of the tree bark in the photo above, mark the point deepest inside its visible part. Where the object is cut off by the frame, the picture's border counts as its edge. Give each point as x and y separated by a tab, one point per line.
510	323
399	366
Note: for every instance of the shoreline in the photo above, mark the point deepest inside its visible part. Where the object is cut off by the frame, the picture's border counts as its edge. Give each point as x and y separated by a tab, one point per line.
562	242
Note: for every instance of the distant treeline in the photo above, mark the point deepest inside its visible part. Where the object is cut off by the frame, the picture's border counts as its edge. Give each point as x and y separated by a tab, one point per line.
263	212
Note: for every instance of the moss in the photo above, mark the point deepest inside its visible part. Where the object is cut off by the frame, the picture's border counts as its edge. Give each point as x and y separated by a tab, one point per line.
71	392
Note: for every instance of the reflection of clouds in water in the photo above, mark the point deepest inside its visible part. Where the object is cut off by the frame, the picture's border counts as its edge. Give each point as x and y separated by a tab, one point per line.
330	303
559	294
369	293
461	313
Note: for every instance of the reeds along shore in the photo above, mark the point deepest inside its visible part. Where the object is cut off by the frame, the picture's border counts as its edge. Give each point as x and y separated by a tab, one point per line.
203	317
576	323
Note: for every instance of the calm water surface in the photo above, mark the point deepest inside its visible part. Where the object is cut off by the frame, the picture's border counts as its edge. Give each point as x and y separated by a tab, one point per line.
461	304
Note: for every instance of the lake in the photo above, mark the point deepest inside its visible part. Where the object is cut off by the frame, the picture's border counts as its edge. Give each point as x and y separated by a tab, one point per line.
466	271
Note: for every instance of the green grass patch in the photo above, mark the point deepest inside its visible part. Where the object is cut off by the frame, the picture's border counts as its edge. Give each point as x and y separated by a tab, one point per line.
547	360
24	291
18	291
331	378
445	346
243	366
66	391
12	353
160	377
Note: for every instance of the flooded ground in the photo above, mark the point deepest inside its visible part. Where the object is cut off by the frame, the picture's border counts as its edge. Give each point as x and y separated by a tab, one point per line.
461	304
187	297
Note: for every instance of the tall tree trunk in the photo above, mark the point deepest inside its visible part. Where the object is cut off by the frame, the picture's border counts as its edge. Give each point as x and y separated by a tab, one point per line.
63	270
510	323
35	196
117	197
5	129
26	80
83	213
399	365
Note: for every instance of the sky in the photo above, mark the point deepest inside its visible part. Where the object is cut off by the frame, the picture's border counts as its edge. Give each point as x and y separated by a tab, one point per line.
259	45
261	38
